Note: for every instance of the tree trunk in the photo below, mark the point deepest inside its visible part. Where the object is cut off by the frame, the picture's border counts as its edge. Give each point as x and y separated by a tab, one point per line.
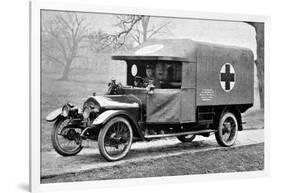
145	22
260	60
97	62
66	71
259	27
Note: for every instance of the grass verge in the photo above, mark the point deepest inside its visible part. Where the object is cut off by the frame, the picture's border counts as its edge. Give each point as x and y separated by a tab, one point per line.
245	158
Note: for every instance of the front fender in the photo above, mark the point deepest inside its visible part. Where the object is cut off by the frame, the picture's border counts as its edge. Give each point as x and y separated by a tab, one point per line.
52	116
107	115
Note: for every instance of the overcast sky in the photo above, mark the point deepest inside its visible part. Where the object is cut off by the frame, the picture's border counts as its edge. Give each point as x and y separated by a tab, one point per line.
222	32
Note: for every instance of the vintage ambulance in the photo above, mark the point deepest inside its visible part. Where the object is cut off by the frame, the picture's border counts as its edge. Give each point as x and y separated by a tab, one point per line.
203	88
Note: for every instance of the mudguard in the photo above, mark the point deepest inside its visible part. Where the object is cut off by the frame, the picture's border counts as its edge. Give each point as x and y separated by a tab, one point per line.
52	116
107	115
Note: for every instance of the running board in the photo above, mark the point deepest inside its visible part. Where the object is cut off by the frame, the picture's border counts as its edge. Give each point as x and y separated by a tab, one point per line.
179	134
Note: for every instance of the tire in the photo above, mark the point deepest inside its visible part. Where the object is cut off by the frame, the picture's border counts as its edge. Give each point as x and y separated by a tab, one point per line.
111	135
186	138
59	125
227	130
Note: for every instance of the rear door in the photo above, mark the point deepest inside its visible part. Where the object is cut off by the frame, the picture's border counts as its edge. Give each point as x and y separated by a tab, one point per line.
188	93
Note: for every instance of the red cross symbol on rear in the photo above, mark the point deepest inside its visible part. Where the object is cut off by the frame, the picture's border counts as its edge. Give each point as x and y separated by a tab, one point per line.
227	77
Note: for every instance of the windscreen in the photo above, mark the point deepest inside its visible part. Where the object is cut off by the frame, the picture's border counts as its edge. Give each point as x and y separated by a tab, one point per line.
165	74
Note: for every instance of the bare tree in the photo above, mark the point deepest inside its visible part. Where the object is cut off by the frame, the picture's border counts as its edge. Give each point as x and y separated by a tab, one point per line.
137	27
65	32
144	30
99	42
259	28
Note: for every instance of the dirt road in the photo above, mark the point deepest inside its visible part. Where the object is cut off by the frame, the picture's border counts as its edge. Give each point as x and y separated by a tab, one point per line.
53	165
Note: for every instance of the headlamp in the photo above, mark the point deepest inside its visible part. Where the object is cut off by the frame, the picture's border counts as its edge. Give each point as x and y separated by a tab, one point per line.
65	111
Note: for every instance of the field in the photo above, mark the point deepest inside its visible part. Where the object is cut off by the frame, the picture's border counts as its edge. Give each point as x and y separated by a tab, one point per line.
82	83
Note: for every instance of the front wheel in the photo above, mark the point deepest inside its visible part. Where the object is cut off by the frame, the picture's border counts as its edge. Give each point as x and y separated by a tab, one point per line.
115	139
228	130
66	140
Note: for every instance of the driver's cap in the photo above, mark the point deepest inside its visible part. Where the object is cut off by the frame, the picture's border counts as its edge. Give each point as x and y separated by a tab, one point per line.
149	66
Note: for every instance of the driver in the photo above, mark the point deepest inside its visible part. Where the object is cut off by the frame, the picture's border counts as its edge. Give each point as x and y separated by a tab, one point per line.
150	78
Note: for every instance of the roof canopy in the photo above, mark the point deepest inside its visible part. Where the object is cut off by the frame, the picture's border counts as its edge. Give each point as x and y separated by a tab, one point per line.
167	49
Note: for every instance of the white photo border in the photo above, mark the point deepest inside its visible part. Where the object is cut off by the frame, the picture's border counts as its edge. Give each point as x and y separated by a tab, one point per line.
34	81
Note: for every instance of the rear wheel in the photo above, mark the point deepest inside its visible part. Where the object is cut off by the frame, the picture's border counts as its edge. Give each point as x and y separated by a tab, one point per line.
186	138
115	139
228	130
66	140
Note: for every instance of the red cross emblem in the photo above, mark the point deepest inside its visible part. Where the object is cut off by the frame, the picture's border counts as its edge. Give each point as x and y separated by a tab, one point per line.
227	77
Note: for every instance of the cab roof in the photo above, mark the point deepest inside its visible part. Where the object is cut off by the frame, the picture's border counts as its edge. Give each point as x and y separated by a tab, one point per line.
170	49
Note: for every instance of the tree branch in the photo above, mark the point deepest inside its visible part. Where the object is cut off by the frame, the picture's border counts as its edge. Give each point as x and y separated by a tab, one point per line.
54	59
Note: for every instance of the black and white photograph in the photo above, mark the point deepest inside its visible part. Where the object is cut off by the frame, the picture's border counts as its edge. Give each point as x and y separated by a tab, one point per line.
136	96
140	96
